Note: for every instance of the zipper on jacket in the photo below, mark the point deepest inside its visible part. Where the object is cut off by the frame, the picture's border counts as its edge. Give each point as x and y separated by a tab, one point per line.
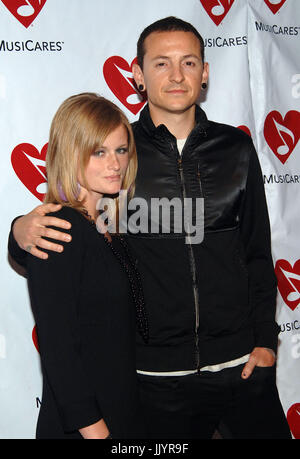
192	268
199	180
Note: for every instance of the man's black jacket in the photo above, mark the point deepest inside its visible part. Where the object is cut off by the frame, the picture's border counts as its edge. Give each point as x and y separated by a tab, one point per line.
213	301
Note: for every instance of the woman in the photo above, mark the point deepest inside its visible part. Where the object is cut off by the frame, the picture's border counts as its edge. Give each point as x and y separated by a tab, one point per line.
86	298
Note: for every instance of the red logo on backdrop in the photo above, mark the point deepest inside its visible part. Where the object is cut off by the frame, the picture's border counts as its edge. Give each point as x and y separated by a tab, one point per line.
118	75
29	165
293	418
274	5
35	338
288	278
24	10
282	134
245	129
217	9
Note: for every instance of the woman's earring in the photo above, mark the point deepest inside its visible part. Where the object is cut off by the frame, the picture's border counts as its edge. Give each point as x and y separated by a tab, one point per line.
141	87
204	85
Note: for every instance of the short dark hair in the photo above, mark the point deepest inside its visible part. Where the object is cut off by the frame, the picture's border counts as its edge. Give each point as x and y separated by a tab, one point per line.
169	24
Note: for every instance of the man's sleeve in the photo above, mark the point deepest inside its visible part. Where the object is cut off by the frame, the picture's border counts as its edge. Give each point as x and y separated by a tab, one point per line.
255	233
18	254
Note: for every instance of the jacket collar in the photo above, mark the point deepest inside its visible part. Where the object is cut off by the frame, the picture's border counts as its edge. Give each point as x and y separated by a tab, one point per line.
147	124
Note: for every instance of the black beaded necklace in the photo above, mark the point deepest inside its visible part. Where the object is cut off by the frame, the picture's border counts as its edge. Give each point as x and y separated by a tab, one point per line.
135	281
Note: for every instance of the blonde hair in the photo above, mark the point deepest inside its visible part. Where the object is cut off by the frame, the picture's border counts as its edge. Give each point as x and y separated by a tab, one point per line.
79	127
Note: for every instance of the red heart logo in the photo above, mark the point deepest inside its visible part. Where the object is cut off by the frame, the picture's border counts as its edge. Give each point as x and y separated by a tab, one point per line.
281	134
293	418
288	278
245	129
29	165
217	9
274	5
35	338
118	75
24	10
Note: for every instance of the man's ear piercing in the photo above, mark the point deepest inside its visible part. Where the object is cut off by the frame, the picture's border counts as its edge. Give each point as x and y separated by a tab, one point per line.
141	87
204	85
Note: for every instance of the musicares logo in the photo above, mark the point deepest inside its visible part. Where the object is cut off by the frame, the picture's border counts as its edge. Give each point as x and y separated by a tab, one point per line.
293	418
274	5
288	278
217	9
25	11
282	134
118	76
35	338
245	129
29	165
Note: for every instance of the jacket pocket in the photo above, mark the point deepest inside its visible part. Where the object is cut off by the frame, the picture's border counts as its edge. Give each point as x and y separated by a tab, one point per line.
223	284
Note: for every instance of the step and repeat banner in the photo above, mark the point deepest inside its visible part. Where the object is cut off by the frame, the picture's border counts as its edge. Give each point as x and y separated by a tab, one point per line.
51	49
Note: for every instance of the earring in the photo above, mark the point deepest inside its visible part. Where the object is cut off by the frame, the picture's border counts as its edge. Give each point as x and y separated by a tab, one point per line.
141	87
204	85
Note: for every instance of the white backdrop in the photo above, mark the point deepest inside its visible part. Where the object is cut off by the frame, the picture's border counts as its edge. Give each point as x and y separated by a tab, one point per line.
51	49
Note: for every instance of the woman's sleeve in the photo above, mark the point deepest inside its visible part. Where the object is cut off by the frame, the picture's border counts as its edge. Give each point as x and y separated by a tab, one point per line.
54	288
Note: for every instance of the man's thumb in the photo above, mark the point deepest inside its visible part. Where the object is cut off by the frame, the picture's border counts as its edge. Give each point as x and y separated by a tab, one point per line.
248	368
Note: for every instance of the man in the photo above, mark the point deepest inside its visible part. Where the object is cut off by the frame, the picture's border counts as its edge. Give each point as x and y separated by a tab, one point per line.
211	305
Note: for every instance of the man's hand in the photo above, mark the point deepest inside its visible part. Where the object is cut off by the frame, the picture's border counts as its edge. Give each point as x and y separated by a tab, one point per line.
30	229
260	357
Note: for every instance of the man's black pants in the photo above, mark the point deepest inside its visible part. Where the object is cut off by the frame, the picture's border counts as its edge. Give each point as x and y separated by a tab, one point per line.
194	406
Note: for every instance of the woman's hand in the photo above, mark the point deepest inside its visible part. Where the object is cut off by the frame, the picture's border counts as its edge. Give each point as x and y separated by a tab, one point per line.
95	431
